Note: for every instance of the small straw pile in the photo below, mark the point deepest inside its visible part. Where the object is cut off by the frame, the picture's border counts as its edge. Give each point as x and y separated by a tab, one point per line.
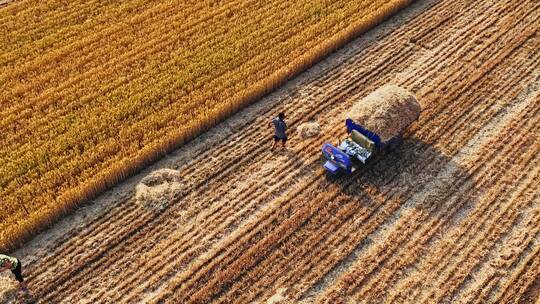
387	111
309	129
159	189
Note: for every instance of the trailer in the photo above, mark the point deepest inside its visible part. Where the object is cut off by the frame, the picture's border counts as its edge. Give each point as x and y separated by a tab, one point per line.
375	126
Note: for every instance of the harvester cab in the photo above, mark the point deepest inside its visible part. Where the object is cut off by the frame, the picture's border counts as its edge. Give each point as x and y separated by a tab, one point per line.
374	126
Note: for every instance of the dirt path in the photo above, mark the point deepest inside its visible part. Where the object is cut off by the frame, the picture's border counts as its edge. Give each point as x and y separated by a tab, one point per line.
453	215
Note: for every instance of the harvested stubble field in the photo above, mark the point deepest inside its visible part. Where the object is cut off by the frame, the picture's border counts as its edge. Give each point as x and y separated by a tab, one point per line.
451	216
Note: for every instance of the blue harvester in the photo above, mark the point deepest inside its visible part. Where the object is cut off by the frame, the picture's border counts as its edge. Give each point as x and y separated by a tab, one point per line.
389	106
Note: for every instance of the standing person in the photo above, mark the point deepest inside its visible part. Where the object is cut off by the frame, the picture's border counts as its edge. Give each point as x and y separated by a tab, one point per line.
279	130
15	265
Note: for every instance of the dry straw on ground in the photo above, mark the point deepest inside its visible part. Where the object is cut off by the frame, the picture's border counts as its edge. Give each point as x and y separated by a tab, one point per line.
309	129
157	190
386	111
8	290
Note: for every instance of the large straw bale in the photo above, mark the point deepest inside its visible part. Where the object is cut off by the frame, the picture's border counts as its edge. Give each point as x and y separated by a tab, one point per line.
386	111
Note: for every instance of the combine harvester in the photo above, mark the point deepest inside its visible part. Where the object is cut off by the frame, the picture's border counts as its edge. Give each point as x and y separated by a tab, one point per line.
375	126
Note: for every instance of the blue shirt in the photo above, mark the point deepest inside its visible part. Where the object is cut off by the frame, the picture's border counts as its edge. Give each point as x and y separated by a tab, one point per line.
279	128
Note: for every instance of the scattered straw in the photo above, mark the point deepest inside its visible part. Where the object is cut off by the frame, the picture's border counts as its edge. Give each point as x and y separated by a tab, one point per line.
157	190
278	297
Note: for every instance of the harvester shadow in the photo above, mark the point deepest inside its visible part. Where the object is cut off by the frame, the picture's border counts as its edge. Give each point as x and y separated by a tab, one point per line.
417	173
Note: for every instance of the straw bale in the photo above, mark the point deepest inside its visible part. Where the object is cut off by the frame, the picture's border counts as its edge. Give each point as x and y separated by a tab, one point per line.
387	111
157	190
309	129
